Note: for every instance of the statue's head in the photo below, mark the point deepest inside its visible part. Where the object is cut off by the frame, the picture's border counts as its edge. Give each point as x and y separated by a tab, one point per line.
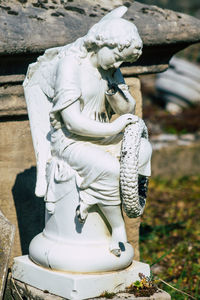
114	40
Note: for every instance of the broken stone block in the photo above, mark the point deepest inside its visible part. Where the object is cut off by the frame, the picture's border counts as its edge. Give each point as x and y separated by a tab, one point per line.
7	231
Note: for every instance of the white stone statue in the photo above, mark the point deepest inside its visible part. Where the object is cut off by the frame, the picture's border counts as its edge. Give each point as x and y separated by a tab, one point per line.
72	93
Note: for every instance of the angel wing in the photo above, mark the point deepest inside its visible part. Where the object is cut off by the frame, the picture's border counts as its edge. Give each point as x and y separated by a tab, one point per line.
37	90
115	13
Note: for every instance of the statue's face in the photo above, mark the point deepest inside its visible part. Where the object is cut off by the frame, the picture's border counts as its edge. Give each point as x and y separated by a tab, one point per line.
108	58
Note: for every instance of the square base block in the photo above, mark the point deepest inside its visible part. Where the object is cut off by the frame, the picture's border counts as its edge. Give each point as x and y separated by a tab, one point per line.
76	286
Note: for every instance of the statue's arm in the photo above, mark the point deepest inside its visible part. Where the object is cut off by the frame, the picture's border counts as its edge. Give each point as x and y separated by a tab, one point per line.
67	95
79	124
118	95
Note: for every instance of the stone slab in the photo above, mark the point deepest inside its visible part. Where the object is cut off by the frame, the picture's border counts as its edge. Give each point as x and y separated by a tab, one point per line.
18	288
7	231
160	295
171	160
32	26
76	286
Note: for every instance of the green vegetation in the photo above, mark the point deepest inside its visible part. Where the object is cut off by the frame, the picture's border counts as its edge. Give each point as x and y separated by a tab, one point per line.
108	295
145	287
170	234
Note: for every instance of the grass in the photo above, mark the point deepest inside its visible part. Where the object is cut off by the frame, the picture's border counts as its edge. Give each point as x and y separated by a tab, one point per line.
145	287
108	295
170	234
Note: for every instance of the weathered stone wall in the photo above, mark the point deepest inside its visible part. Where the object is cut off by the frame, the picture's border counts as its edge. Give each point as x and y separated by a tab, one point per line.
17	182
188	7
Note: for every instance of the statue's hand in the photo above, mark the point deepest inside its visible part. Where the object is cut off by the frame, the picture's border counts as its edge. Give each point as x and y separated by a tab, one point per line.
50	207
110	73
124	120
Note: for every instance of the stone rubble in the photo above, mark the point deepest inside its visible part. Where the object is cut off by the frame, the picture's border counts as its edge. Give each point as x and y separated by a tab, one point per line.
170	140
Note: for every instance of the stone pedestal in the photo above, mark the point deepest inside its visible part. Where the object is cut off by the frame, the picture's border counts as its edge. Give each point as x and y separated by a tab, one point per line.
76	285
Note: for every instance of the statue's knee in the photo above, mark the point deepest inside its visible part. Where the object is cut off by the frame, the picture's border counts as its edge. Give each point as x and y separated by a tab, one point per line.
145	151
145	157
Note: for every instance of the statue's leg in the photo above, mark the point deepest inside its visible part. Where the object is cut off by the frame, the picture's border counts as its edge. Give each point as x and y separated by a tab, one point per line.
145	157
114	216
82	211
97	176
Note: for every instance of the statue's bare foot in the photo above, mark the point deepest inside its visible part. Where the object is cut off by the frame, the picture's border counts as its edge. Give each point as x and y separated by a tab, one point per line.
115	249
81	214
116	252
78	214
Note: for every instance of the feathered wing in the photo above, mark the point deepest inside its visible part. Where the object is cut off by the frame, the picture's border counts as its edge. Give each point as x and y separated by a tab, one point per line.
115	13
38	111
39	107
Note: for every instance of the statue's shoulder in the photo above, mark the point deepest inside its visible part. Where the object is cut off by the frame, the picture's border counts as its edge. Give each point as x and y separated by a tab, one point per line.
46	64
69	60
68	70
49	67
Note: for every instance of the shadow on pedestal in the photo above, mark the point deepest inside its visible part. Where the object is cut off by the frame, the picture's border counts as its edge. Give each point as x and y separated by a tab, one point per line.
30	209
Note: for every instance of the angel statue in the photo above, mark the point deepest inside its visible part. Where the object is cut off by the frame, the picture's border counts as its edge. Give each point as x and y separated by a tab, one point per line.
72	93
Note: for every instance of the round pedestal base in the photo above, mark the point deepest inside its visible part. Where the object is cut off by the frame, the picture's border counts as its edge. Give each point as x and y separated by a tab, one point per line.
78	257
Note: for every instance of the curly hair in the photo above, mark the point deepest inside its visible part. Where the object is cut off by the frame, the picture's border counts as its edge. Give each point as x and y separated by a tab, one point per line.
113	33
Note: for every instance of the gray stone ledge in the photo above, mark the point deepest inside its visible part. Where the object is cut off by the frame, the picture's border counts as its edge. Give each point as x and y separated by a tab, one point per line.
29	27
175	159
32	293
